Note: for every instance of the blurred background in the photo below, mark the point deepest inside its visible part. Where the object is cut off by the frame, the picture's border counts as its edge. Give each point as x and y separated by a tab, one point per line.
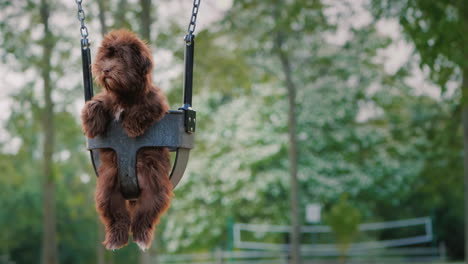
330	131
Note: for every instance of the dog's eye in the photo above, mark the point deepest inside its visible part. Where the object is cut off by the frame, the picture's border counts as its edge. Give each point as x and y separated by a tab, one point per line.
110	52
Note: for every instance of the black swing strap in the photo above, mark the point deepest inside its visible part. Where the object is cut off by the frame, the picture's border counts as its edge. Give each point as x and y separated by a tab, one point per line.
189	53
190	114
85	54
86	63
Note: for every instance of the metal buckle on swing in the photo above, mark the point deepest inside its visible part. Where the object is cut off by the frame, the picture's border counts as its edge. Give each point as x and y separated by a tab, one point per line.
85	44
189	39
190	119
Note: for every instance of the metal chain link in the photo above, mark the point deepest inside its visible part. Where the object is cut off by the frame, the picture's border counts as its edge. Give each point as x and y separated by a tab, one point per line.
193	20
191	27
81	17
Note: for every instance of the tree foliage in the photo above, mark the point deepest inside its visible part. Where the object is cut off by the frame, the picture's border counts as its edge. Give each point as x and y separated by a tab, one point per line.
437	30
344	220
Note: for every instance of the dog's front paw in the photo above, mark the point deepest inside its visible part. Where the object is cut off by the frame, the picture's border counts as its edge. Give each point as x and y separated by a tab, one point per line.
95	118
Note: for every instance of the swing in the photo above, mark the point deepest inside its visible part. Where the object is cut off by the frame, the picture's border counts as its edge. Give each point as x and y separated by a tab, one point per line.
176	131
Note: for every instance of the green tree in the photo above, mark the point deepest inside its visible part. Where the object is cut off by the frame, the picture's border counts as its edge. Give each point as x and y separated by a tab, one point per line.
102	11
427	182
283	39
438	32
48	163
49	240
239	168
344	219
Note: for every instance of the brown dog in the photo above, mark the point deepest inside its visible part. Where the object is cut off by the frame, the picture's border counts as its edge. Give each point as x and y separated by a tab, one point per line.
123	68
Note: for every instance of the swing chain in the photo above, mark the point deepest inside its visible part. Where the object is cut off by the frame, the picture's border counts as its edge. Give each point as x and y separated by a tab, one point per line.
193	21
83	29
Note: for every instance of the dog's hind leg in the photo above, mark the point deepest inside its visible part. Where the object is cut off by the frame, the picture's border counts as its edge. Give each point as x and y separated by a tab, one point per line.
110	203
153	167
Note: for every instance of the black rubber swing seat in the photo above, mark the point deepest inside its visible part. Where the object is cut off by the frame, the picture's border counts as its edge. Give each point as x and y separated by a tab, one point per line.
169	132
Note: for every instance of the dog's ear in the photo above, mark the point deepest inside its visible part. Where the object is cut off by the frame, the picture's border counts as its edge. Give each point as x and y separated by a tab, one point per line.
142	60
146	64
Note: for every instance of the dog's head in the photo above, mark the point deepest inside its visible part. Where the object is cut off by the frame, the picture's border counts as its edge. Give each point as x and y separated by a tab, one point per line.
123	63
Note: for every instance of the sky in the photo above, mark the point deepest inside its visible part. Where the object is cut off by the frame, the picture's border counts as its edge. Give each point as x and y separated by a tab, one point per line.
397	54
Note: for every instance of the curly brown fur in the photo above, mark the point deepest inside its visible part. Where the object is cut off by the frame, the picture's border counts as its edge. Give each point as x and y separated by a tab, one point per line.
123	68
